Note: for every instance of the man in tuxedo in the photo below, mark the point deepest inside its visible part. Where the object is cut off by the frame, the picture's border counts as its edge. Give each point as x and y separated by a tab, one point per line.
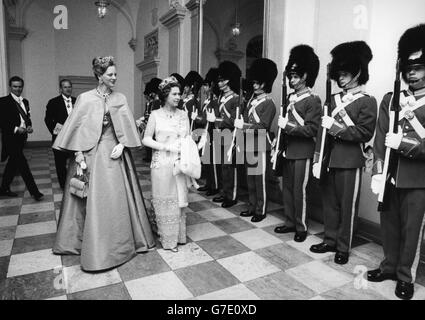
15	123
57	111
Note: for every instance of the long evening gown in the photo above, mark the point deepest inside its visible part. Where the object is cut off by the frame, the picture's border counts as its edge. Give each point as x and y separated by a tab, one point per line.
170	218
111	225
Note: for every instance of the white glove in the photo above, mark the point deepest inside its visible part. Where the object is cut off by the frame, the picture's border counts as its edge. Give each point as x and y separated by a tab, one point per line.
377	183
140	121
30	130
173	147
316	170
194	115
202	142
282	122
239	123
211	117
117	151
393	140
327	122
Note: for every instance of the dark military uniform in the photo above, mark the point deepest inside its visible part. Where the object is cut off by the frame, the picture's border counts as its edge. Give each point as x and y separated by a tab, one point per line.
355	120
304	113
402	225
258	118
225	125
191	105
212	174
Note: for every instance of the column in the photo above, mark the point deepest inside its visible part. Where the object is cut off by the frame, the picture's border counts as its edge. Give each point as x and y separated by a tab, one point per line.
193	7
177	49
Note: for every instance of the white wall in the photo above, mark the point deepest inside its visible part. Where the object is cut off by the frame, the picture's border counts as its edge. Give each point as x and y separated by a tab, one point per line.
49	53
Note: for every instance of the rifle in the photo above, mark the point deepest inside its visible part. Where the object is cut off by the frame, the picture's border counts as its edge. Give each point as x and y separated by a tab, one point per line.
323	163
390	161
278	150
238	108
193	109
208	124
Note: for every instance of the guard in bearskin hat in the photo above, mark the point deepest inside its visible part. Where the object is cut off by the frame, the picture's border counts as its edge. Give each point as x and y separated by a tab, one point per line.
256	123
206	145
191	103
152	103
180	80
350	124
402	225
229	76
299	126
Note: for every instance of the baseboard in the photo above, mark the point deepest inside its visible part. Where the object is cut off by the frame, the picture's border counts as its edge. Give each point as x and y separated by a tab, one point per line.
38	144
372	231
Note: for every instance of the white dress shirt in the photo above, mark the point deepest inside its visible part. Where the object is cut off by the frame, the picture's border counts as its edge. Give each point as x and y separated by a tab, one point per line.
20	101
68	104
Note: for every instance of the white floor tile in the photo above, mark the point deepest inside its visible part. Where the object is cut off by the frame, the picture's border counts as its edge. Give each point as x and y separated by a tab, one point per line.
248	266
256	239
216	214
188	255
32	262
35	229
77	280
319	277
37	207
11	202
163	286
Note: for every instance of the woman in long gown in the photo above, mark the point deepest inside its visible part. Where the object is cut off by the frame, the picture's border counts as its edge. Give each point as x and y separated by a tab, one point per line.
168	125
110	225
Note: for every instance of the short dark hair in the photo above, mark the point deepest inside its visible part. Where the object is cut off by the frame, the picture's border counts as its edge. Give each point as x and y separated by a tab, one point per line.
64	80
166	86
16	79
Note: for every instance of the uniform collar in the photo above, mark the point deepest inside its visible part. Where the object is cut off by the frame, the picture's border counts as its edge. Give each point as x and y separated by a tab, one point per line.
353	91
417	93
303	91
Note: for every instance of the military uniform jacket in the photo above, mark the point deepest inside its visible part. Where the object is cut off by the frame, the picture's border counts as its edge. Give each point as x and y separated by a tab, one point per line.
304	117
227	115
258	117
410	169
210	105
191	104
151	106
353	127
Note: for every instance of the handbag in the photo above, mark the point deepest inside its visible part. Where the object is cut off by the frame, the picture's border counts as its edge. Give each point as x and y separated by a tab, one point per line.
78	186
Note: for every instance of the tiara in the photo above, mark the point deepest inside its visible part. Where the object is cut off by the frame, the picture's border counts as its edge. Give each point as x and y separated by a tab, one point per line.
104	60
166	82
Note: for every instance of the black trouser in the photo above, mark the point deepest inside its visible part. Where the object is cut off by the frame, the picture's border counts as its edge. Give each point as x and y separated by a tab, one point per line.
295	178
256	174
402	228
212	169
340	194
60	163
18	163
229	175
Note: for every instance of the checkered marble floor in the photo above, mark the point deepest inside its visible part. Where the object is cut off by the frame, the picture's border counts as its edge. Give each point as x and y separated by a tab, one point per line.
227	257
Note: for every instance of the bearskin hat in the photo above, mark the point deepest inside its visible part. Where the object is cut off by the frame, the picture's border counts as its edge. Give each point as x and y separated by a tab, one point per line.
303	59
179	78
411	47
194	81
228	70
264	71
211	78
352	57
152	86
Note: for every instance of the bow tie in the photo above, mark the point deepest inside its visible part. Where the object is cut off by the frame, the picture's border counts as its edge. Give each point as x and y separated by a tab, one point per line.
68	100
409	101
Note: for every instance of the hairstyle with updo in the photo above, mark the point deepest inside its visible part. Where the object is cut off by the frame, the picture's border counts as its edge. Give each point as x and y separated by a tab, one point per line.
101	64
165	88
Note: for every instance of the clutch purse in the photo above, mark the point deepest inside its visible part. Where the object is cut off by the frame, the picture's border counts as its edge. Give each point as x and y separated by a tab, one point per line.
78	186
